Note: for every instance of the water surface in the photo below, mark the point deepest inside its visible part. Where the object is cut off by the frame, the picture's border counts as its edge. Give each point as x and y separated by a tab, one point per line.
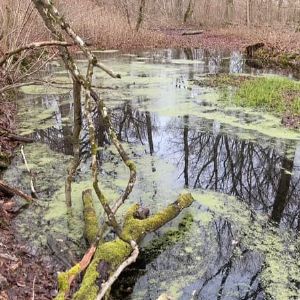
241	165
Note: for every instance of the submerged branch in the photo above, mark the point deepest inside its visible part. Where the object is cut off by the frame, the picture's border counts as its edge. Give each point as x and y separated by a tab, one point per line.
14	191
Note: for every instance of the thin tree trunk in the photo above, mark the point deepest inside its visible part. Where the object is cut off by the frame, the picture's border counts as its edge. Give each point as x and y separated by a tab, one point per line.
280	2
229	11
149	132
248	12
141	15
189	11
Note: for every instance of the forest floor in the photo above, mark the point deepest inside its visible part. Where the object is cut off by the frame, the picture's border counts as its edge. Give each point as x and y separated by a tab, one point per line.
229	38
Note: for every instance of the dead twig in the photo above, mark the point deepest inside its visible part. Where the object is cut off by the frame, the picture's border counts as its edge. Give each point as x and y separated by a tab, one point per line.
9	54
33	286
33	192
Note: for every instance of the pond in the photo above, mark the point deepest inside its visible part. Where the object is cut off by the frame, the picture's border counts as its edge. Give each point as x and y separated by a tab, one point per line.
241	237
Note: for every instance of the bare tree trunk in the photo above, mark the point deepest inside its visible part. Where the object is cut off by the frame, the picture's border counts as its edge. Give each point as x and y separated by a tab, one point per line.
141	15
189	11
125	8
6	27
280	2
229	11
248	12
179	9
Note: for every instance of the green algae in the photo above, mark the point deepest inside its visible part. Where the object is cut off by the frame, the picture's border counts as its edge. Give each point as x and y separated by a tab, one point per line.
279	267
33	118
44	90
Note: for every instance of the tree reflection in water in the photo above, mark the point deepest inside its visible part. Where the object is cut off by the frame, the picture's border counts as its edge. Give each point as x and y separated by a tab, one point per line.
262	173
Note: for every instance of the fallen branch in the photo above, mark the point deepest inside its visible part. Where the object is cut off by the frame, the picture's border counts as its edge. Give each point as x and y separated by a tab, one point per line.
110	256
14	137
193	32
14	191
7	55
107	70
130	260
65	279
91	227
17	85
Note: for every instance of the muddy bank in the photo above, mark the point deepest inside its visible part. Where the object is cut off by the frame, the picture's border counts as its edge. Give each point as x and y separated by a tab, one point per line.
24	274
264	56
7	125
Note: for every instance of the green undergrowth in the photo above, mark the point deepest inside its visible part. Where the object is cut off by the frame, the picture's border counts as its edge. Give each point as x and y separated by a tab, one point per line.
274	94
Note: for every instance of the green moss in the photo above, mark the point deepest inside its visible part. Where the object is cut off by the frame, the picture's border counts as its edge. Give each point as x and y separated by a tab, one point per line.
116	251
90	217
113	253
63	281
136	229
169	238
131	165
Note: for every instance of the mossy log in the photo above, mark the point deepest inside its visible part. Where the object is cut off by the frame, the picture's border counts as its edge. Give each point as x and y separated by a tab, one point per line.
90	219
110	255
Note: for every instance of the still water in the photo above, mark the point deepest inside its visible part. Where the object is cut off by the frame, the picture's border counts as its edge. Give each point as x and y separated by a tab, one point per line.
241	165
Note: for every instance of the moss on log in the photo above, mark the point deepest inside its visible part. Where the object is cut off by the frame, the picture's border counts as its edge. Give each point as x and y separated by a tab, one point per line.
90	219
113	253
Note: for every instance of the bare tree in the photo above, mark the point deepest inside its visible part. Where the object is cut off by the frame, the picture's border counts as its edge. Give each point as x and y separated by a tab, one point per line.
189	11
229	11
248	12
141	15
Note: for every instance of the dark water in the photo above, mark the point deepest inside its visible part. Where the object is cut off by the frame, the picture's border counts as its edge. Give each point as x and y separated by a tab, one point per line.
182	138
